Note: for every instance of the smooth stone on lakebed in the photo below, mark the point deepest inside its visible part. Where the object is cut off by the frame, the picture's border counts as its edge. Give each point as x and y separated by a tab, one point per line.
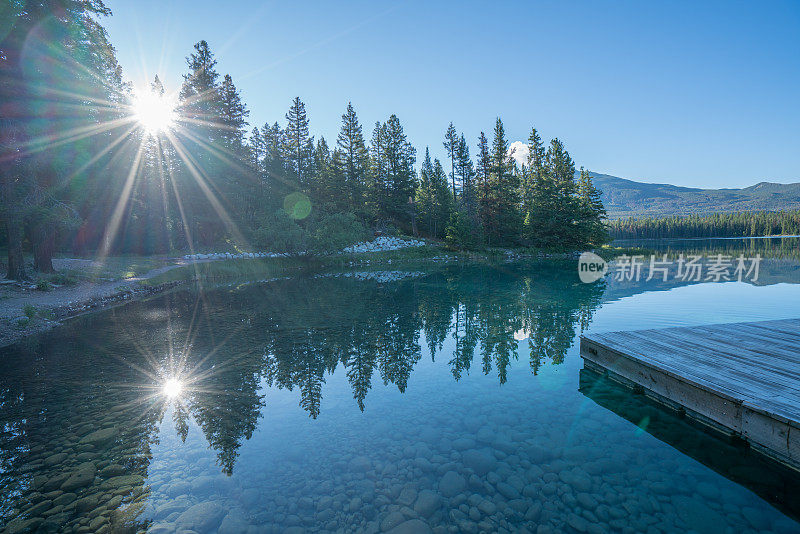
407	496
113	470
125	480
427	503
412	526
100	437
234	523
87	503
98	522
462	444
54	482
392	520
19	525
64	499
579	480
479	460
507	490
360	463
696	514
54	459
201	517
452	484
38	508
82	476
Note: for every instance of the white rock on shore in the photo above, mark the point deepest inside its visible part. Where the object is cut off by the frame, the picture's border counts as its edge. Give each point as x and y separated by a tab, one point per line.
380	244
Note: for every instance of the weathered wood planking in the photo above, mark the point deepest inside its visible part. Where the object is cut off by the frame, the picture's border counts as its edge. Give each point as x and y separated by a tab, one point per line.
742	377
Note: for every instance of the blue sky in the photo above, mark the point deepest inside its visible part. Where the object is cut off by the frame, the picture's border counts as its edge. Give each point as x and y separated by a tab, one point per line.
698	94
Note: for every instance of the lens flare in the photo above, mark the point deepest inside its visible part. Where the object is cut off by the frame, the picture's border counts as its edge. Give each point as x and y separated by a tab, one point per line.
153	112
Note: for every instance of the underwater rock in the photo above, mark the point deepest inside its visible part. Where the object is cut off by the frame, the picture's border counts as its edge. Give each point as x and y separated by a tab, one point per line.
113	470
19	525
64	499
482	461
201	517
451	484
234	523
54	459
360	464
39	508
392	520
507	490
462	444
100	437
407	496
82	476
98	522
412	526
86	503
427	503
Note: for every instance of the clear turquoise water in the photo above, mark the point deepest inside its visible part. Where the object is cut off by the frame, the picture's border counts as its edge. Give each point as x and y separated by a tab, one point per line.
452	400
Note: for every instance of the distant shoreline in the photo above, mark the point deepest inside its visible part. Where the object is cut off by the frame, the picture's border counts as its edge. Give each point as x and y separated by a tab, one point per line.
700	238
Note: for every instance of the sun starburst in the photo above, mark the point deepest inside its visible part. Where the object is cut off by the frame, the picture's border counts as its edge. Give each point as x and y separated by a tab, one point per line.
154	112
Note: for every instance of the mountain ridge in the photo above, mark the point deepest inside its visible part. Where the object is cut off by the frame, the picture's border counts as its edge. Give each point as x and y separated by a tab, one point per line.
629	198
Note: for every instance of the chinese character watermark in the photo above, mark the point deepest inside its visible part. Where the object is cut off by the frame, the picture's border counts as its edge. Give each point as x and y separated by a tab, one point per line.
689	268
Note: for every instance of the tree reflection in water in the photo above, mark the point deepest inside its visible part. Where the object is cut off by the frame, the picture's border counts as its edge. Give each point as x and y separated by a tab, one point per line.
227	343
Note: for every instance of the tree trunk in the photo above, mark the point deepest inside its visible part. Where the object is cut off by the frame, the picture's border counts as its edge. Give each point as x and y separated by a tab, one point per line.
43	248
16	261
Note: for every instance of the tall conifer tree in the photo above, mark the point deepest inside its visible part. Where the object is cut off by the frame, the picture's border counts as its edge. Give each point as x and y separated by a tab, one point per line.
352	158
298	145
450	145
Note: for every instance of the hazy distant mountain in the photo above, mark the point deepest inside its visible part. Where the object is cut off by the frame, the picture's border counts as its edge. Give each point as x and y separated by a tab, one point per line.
625	198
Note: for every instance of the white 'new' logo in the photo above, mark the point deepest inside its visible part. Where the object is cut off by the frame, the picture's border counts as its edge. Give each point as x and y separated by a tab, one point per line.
591	267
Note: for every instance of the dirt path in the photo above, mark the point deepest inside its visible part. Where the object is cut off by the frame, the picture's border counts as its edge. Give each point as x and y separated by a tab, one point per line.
67	301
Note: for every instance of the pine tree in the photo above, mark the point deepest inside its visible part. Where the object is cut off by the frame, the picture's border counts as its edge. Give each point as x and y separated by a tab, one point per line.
240	185
423	198
199	94
443	204
400	176
451	144
377	185
592	211
466	174
257	149
483	171
200	107
353	158
233	114
297	145
532	175
539	200
326	194
503	216
566	211
434	201
276	182
257	156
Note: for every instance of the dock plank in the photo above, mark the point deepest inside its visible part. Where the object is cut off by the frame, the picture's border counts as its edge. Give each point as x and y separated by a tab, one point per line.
742	377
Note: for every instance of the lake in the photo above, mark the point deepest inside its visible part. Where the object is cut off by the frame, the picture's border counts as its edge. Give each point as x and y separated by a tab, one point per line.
449	398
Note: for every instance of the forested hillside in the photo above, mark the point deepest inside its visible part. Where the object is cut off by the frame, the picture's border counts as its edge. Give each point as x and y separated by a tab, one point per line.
626	198
741	224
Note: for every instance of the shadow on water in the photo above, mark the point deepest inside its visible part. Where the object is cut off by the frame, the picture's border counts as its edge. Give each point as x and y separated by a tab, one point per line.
733	460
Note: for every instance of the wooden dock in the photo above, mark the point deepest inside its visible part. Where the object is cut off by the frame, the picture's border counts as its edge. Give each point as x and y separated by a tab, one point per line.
741	378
